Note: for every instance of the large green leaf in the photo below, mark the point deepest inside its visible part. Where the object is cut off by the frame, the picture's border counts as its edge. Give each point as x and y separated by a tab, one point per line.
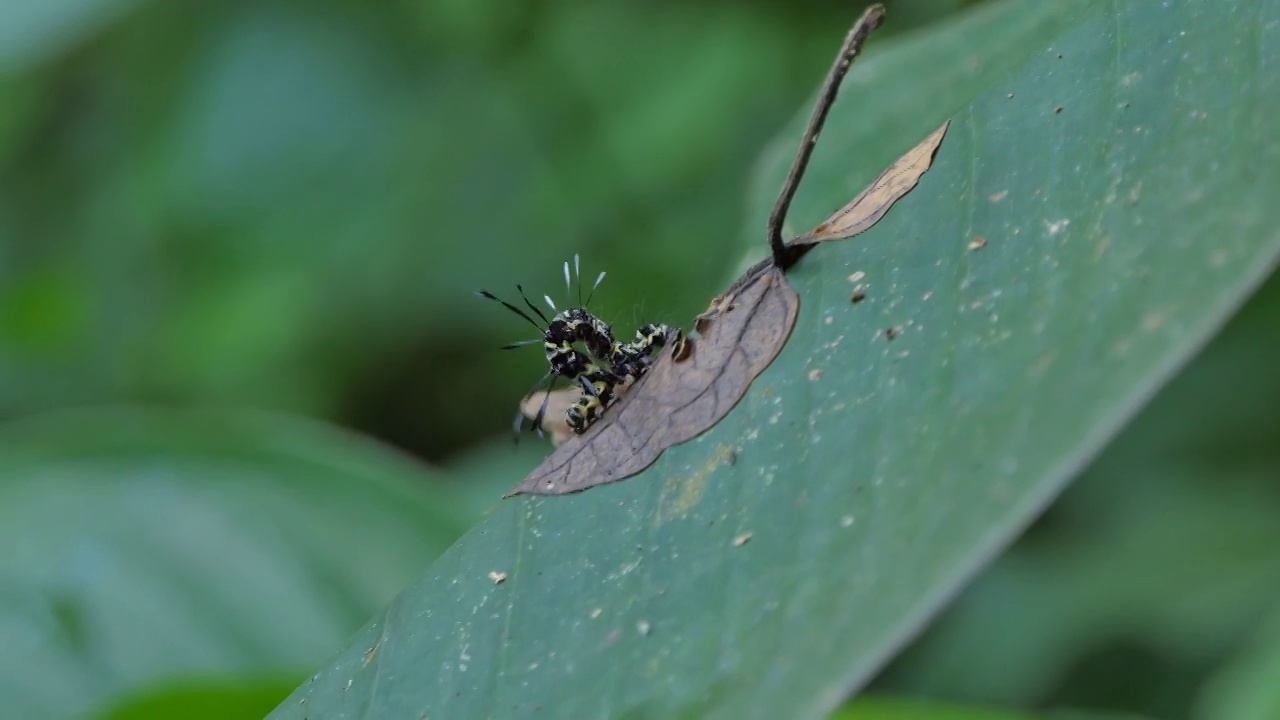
143	548
1123	182
1160	559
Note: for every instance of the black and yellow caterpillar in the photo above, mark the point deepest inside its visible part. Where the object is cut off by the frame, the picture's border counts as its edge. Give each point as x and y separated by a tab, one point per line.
603	365
626	363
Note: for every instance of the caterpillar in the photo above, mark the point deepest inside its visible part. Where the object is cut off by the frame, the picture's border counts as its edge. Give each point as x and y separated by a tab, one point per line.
600	368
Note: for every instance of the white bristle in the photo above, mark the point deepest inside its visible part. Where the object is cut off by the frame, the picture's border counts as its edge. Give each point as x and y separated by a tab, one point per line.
553	305
577	271
566	276
598	281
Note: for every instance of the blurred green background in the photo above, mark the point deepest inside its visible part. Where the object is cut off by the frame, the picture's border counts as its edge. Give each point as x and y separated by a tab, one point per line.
286	207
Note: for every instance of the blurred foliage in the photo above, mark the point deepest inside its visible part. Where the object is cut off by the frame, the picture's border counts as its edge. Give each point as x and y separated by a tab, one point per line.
286	207
143	546
249	698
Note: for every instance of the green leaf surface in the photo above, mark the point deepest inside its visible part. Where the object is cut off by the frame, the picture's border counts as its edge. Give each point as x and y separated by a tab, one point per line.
144	548
1123	182
1160	559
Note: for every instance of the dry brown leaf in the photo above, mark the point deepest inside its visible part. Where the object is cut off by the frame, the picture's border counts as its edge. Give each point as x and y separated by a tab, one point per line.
872	203
741	332
739	336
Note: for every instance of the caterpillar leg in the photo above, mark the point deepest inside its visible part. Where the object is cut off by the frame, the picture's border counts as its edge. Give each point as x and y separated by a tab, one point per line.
597	394
655	337
583	413
651	337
